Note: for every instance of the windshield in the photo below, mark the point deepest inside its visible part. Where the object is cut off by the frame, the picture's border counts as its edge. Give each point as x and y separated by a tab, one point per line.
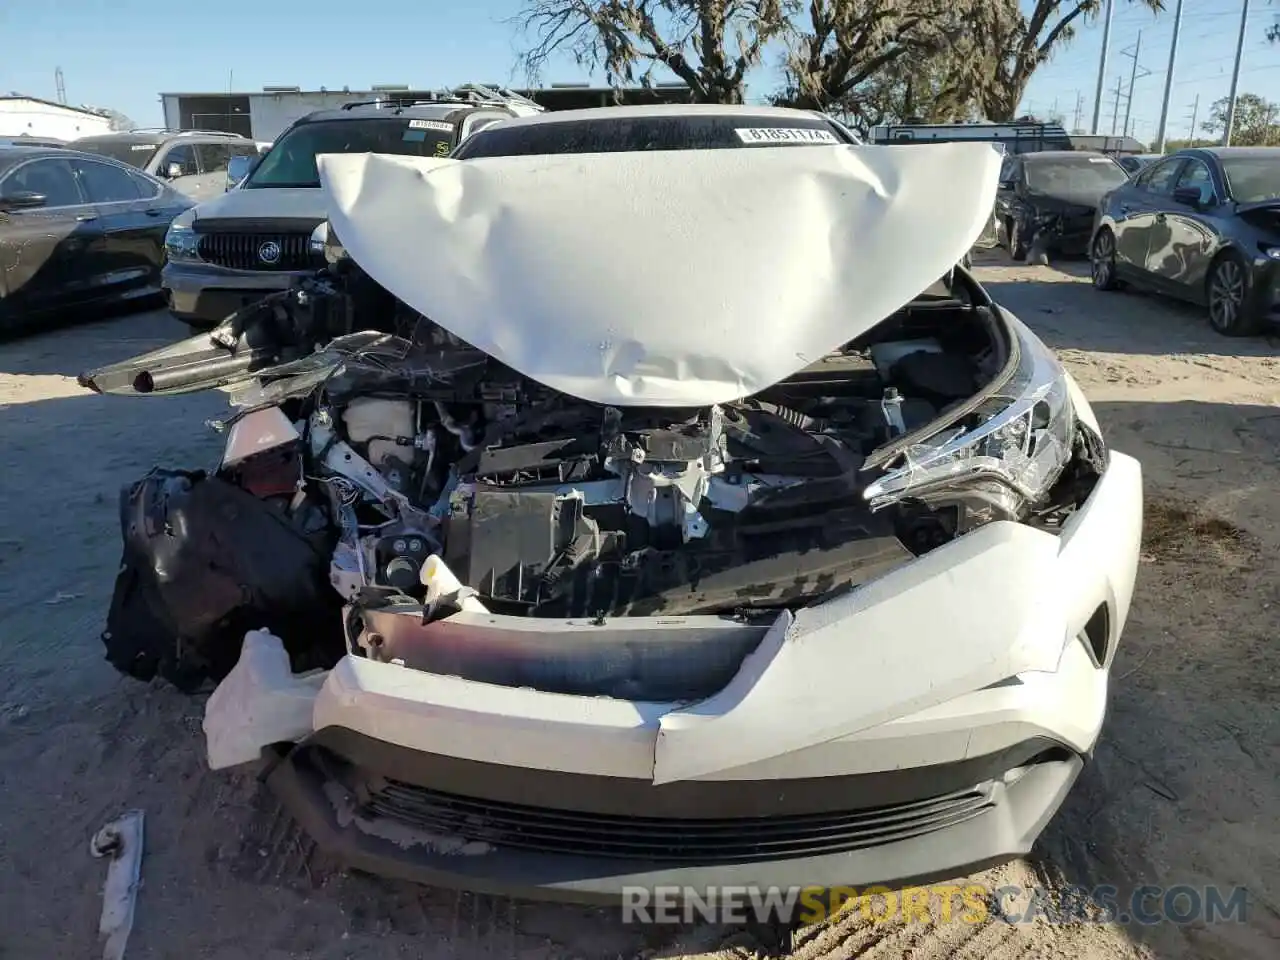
134	154
1252	179
1075	175
291	161
630	134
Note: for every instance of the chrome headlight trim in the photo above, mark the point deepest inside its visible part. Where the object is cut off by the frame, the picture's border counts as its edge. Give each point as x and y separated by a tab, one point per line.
180	239
1023	438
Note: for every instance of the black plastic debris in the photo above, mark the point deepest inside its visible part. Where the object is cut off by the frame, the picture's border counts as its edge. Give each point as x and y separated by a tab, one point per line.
204	562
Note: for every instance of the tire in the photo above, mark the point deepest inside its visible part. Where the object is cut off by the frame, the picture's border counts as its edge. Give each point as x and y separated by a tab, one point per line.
1102	260
1017	245
1227	290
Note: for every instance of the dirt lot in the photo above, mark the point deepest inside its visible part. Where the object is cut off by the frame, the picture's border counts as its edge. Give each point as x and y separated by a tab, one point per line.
1184	789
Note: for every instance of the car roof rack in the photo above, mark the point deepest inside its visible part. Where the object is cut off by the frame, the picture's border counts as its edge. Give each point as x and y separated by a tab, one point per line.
466	94
182	133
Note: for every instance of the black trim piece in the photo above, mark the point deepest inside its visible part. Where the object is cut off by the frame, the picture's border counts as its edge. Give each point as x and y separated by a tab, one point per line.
659	840
256	224
1007	829
710	799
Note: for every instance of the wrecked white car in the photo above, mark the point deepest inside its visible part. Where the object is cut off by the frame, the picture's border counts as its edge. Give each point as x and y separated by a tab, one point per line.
629	504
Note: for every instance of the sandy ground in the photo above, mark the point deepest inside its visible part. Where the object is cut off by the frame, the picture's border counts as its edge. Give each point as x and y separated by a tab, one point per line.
1184	788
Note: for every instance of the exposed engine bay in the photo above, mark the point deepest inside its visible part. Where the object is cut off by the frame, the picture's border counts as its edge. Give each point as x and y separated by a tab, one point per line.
409	469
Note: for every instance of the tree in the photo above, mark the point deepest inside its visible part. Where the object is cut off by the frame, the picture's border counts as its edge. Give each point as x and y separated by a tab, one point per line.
119	122
1256	124
630	38
876	60
1027	40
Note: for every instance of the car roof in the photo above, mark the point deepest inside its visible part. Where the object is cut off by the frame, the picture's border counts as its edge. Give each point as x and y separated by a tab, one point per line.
664	110
451	111
1065	155
157	137
10	155
1228	153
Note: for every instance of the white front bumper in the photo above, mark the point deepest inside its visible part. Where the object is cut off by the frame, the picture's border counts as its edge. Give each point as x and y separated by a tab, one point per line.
972	648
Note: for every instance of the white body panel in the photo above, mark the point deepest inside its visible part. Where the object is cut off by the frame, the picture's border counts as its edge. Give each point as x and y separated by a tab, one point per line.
797	250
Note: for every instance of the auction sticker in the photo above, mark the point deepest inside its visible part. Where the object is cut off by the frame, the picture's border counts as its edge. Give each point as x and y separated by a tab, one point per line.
431	125
765	136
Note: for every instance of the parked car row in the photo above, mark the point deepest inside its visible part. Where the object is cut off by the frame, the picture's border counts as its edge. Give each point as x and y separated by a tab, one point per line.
76	229
1201	225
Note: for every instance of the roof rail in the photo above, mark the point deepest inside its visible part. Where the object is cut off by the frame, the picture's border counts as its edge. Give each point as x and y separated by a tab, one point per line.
182	133
211	133
472	94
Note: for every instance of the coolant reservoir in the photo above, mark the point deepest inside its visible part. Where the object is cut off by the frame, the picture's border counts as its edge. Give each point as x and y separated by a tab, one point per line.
369	417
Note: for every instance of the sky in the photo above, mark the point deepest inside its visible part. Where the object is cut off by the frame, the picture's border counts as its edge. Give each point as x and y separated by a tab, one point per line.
123	53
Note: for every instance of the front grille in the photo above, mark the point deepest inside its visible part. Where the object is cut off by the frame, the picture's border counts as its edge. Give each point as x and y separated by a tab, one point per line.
515	826
244	251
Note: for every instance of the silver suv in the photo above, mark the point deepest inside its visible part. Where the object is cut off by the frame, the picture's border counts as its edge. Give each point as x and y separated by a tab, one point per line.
255	239
194	162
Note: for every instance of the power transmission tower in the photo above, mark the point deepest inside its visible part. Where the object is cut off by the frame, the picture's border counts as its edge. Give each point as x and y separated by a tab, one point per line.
1133	77
1075	123
1115	106
61	85
1195	112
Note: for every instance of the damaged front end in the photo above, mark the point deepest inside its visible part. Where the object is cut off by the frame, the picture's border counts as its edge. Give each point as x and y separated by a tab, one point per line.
384	493
502	539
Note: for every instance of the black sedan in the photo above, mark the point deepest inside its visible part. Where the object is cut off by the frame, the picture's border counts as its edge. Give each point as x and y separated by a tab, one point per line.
77	229
1202	225
1048	199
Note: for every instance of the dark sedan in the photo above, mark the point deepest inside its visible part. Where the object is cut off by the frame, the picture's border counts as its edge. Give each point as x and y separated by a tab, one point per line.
1048	199
1202	225
77	229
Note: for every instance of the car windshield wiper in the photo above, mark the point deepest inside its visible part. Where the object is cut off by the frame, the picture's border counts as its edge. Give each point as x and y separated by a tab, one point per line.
284	185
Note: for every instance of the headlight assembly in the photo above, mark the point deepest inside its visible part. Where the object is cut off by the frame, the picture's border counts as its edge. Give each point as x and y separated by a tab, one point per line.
325	243
180	241
1007	462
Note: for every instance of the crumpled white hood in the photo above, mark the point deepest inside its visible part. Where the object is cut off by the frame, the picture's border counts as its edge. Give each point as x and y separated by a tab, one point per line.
677	278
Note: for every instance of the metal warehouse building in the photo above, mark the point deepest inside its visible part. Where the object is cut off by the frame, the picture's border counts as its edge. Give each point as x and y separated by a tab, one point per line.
264	115
23	116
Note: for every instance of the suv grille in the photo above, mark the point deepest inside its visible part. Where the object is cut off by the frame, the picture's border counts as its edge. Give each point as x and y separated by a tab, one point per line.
258	251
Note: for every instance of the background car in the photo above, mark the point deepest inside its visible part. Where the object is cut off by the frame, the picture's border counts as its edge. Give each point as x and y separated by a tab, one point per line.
1202	225
76	229
1133	162
256	239
193	161
1052	196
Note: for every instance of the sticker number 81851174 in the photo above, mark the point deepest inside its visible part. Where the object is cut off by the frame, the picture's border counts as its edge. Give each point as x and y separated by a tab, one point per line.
764	136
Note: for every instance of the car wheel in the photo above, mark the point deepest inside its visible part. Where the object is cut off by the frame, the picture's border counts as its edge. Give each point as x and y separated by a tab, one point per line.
1017	245
1103	261
1227	291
